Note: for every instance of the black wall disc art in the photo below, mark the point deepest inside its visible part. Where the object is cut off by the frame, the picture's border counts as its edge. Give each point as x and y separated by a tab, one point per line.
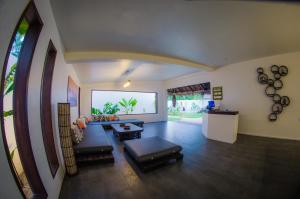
272	87
285	101
270	91
278	84
277	108
270	82
275	69
277	76
277	98
283	70
273	117
263	78
260	70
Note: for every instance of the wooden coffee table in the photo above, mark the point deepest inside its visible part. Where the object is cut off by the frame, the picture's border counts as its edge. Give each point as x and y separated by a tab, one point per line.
123	134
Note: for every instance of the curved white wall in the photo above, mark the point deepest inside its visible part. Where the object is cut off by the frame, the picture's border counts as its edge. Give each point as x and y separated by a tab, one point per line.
242	92
10	12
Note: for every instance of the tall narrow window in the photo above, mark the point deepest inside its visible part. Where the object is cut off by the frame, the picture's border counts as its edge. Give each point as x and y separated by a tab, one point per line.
13	104
46	116
8	106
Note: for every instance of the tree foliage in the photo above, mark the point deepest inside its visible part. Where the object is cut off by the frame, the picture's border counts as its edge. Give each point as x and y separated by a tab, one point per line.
17	45
96	111
187	97
110	108
128	105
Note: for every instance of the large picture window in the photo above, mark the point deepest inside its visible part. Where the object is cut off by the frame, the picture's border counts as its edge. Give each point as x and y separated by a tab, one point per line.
123	102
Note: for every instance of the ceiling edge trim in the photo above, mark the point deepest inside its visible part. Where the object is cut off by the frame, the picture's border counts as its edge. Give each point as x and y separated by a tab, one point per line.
79	57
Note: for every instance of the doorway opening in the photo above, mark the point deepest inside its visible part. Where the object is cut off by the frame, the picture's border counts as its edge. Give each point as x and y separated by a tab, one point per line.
187	104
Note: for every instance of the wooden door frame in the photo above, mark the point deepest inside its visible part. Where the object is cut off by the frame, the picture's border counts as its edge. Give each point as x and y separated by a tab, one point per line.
20	113
79	90
45	110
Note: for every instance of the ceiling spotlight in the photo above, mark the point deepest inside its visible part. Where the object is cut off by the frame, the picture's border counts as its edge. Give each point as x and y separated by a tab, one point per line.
126	84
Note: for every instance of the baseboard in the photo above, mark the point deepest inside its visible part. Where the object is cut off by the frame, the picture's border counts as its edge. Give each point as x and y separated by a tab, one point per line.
268	136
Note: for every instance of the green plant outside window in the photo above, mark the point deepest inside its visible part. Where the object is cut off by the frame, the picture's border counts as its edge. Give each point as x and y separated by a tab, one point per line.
8	106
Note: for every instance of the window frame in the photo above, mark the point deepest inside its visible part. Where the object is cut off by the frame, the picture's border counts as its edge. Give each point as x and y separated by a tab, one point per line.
156	101
20	114
45	110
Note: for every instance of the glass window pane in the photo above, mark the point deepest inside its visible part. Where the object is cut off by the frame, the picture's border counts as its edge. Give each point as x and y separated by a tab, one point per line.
123	102
8	107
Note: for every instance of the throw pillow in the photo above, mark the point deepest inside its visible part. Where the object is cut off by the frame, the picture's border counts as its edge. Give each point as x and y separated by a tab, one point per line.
88	119
77	134
116	118
95	118
111	118
81	123
101	118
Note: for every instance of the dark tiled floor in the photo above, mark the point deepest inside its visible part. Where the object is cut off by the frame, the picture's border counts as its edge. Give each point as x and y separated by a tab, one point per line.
253	167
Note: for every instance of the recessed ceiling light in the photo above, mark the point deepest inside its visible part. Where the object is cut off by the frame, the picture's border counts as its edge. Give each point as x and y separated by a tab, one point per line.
126	84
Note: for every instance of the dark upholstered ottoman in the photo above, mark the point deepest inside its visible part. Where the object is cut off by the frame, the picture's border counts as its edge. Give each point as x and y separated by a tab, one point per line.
152	152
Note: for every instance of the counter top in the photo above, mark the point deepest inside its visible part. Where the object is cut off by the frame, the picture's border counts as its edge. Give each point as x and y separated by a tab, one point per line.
223	112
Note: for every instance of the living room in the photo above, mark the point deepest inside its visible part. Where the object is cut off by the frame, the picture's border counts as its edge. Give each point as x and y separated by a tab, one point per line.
136	99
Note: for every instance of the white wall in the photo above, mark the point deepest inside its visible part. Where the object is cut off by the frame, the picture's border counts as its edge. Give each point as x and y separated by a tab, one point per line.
147	86
10	12
242	92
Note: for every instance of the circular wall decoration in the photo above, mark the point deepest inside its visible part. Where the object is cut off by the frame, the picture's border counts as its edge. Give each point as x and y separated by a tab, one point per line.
260	70
275	69
273	117
277	76
283	70
285	101
278	84
272	87
263	78
277	108
270	82
270	91
277	98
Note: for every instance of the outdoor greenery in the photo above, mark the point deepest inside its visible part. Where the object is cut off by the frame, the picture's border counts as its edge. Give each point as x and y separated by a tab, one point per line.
195	107
173	110
110	108
8	89
9	80
180	115
128	105
96	111
187	111
186	97
8	113
17	45
15	51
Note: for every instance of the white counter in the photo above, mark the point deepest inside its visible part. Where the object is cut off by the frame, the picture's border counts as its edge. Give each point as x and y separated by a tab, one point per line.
221	126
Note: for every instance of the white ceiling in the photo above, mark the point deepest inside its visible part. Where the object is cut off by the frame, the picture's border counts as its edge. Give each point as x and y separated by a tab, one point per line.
115	70
215	33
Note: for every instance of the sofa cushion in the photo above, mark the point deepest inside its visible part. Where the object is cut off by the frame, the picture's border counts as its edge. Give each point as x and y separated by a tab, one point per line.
147	149
94	141
76	134
105	117
108	123
80	122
